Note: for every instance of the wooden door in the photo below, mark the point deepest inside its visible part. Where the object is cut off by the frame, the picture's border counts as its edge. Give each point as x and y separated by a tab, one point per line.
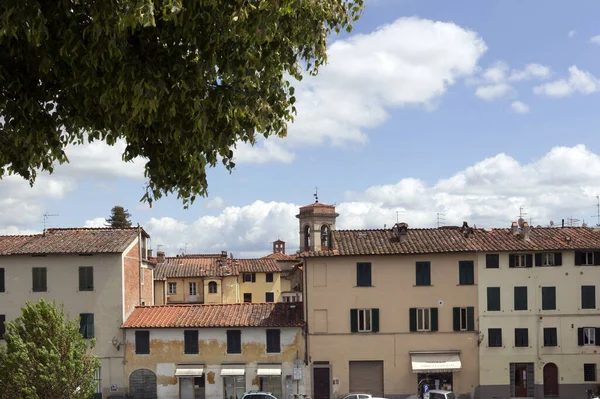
521	380
322	383
550	380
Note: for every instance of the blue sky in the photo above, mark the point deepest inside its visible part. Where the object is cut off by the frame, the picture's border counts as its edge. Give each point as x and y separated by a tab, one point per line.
468	108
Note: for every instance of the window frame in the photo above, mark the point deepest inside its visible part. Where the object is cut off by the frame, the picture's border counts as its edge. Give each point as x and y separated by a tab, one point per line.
364	274
552	334
520	261
45	279
586	373
585	260
519	289
423	274
365	317
544	301
590	302
249	297
425	319
86	325
463	319
269	277
213	287
83	277
496	341
190	342
488	296
267	294
590	337
548	259
492	261
142	337
249	277
271	335
169	285
232	335
195	290
519	342
466	272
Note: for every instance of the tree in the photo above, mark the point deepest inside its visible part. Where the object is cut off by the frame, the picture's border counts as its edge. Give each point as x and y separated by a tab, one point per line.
45	356
179	84
119	218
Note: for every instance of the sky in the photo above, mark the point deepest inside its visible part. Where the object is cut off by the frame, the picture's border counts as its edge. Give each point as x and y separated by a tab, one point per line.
468	109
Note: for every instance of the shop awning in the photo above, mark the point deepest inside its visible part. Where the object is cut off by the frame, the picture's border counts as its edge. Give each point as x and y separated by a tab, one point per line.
268	371
189	370
233	371
435	362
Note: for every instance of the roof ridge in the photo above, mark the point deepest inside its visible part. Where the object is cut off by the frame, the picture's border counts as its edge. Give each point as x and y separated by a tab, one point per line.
91	228
184	305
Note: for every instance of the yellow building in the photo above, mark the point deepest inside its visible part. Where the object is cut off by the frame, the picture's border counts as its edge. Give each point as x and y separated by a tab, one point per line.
216	279
388	309
215	351
539	311
290	290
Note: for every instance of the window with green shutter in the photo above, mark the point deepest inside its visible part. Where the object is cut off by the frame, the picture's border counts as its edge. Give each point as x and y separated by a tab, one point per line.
86	278
548	298
86	325
588	297
466	272
495	337
423	273
39	283
423	319
364	320
492	261
412	315
2	286
493	299
520	298
463	319
550	336
363	274
521	337
190	342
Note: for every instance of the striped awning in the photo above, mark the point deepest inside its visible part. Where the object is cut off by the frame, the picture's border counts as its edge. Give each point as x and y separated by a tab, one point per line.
435	363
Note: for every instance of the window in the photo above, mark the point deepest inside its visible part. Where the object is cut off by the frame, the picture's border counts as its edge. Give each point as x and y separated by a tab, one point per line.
249	277
269	297
234	341
306	238
2	326
589	372
520	298
550	337
193	290
466	273
142	342
269	277
520	260
423	271
521	337
495	337
2	285
98	382
190	344
492	261
548	298
172	288
247	297
234	386
363	275
493	299
325	236
548	259
364	320
269	384
86	278
86	325
464	319
586	259
588	297
587	336
39	279
212	287
423	320
273	341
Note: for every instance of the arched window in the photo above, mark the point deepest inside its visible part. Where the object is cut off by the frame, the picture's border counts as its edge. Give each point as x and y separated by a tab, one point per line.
325	236
306	237
212	287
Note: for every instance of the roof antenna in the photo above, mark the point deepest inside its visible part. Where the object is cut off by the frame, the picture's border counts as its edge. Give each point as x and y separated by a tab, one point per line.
316	194
46	217
440	219
597	211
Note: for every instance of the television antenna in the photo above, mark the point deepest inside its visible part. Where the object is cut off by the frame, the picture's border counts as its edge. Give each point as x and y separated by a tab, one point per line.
440	219
316	194
597	216
398	216
47	216
184	249
572	221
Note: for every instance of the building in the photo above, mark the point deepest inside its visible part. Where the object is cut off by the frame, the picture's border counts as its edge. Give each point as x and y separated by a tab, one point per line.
99	274
290	291
539	311
215	351
387	309
216	279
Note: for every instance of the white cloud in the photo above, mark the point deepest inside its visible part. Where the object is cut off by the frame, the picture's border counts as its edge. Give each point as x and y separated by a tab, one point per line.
578	82
519	107
562	183
215	203
595	39
572	33
264	151
96	222
495	91
496	73
531	71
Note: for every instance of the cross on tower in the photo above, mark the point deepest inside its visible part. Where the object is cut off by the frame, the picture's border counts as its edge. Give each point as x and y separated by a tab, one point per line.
316	194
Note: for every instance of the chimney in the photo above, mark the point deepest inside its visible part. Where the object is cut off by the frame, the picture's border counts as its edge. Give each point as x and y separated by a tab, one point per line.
526	231
223	254
514	228
160	257
231	255
466	230
563	223
149	252
400	231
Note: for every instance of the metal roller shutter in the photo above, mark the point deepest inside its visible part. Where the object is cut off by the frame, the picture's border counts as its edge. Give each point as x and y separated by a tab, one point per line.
367	377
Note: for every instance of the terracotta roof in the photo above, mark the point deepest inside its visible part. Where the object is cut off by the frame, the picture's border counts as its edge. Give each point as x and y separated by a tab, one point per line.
452	239
210	266
70	240
281	256
228	315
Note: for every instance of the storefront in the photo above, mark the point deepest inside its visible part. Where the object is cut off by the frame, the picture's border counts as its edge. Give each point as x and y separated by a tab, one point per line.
270	379
234	381
191	381
435	369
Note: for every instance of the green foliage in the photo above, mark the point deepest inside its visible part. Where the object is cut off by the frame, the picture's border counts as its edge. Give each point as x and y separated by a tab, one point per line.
45	356
119	217
180	82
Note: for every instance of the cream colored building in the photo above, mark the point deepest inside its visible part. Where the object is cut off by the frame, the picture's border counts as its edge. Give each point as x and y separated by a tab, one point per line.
388	309
222	352
539	312
216	279
290	292
99	274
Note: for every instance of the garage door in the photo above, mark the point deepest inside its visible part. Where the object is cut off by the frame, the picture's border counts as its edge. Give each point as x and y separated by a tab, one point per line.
367	377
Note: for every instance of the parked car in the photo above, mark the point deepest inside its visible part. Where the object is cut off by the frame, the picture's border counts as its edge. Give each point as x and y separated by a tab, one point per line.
258	395
439	394
361	396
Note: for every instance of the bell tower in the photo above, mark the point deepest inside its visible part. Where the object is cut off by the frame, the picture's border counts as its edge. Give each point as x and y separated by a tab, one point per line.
316	221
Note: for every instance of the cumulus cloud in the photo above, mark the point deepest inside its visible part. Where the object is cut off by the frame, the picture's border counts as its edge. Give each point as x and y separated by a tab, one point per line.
578	81
519	107
215	203
489	193
495	82
96	222
531	71
493	92
595	39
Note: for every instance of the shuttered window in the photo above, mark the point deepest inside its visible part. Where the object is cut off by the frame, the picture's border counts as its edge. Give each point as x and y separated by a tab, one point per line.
493	299
495	337
520	260
190	346
463	319
363	274
492	261
142	342
364	320
588	297
39	283
2	326
550	336
587	258
520	298
234	341
2	284
269	297
269	277
86	278
423	272
521	337
548	259
423	319
86	325
548	298
273	341
588	336
466	272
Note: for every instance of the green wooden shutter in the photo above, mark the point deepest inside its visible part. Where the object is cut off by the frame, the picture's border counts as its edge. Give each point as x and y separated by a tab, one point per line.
528	260
413	319
81	278
558	259
353	320
578	258
2	285
456	319
470	318
493	298
82	325
434	319
375	320
90	325
511	260
538	259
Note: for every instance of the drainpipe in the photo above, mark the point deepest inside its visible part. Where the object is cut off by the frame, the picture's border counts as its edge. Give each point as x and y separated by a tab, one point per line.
305	301
140	263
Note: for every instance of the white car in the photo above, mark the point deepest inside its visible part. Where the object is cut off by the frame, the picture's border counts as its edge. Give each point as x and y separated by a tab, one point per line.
361	396
439	394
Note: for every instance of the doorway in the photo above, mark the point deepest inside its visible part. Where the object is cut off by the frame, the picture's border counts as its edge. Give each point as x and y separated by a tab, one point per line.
321	382
550	380
520	380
